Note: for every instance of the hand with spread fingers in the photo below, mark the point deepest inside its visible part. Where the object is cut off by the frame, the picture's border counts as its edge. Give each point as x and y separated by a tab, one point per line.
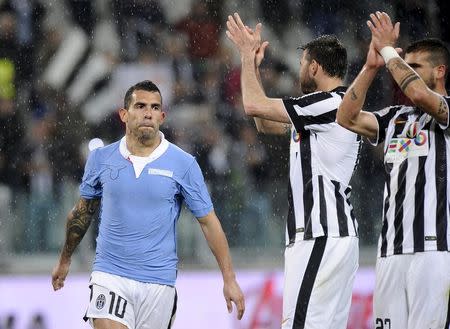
247	41
384	33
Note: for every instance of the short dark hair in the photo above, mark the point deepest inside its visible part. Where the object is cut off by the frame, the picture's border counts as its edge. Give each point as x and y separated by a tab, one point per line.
439	53
146	85
330	53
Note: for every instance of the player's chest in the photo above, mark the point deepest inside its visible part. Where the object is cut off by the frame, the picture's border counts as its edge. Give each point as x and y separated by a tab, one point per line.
408	136
153	183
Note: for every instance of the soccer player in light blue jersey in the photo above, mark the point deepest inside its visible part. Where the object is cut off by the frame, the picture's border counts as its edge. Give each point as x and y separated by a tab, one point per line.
139	183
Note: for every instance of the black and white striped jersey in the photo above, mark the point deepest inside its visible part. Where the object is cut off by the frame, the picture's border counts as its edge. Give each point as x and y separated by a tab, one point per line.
416	194
323	156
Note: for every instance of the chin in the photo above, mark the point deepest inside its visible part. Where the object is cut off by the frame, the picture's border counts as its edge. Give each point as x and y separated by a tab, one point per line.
146	136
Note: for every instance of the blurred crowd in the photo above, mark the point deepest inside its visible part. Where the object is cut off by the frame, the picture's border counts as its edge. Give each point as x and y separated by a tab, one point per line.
65	67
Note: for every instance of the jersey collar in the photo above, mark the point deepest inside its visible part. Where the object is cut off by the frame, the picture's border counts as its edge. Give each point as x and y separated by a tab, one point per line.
162	147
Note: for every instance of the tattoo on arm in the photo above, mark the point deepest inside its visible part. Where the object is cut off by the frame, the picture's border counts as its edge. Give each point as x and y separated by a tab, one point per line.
353	95
398	64
78	223
287	128
410	75
443	108
407	80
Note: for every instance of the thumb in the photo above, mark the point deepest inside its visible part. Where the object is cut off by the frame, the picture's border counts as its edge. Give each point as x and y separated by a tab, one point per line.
229	305
397	29
399	50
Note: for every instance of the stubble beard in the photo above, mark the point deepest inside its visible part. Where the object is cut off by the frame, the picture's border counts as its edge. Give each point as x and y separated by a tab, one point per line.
308	86
145	137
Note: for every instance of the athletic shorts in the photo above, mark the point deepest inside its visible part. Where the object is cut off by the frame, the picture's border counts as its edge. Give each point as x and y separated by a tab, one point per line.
412	291
318	282
132	303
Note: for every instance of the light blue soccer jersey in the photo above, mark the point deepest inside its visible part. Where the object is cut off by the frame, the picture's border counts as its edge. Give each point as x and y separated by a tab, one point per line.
137	236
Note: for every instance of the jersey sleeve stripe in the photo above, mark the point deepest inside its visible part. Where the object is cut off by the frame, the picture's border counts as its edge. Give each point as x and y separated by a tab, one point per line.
324	118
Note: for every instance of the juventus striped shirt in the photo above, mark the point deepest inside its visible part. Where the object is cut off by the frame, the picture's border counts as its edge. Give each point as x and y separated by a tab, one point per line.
416	194
322	158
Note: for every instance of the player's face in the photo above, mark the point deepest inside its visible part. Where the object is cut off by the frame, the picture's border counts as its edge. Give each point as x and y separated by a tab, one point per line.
144	115
307	82
423	67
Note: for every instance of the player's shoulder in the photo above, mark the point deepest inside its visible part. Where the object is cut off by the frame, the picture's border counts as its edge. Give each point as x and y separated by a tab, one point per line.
393	109
318	96
105	152
180	154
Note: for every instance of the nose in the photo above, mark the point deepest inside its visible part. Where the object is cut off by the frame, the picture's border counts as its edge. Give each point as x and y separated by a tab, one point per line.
148	112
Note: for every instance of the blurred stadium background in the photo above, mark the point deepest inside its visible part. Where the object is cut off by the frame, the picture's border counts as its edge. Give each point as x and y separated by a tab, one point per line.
64	68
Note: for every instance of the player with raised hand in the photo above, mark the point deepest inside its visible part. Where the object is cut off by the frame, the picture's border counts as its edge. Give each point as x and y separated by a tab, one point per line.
413	263
321	256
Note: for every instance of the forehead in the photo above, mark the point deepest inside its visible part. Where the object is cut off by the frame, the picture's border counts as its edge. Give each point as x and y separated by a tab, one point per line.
304	56
144	96
418	57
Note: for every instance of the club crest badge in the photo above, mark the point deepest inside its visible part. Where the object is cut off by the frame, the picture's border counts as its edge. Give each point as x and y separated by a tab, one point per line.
100	302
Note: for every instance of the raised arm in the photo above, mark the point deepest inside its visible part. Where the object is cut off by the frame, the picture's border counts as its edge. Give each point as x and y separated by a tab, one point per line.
412	85
218	244
78	222
350	114
265	126
256	103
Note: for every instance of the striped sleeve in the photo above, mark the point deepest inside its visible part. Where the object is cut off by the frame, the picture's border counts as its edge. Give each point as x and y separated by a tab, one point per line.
316	111
383	117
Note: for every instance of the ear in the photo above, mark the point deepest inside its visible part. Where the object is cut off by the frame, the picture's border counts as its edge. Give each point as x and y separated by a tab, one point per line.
441	69
162	117
313	68
123	114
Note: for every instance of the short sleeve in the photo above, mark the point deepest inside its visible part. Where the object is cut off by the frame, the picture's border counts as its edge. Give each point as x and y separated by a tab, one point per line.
90	187
195	192
315	112
383	118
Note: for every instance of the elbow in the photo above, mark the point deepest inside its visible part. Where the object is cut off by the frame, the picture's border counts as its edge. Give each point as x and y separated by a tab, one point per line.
250	109
341	119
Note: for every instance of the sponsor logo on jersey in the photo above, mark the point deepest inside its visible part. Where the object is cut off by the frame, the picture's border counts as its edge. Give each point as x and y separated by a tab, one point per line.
402	148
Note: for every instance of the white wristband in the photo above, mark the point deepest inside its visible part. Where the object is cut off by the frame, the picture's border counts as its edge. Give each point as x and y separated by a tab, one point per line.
388	53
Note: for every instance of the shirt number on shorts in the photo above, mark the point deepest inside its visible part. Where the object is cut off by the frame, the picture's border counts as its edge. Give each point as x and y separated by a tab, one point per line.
115	305
383	323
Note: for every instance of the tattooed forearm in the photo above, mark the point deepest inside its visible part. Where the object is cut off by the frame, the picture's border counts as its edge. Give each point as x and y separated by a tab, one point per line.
398	64
287	129
407	80
402	73
353	95
443	108
78	223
